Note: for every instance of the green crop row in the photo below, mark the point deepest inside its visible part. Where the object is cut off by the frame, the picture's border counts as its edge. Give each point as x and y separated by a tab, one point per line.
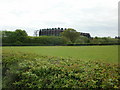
25	70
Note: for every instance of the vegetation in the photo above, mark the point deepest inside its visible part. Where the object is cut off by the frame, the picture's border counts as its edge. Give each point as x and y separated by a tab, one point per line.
27	70
69	36
104	40
59	66
107	54
14	36
20	37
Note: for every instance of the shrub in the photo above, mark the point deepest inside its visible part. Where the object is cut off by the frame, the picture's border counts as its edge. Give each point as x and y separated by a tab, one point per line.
21	70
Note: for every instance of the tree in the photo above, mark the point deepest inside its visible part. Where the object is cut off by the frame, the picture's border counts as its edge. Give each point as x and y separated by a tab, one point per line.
8	36
20	35
14	36
82	40
71	34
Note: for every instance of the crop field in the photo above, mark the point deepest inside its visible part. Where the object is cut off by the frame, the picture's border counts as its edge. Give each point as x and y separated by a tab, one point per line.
60	67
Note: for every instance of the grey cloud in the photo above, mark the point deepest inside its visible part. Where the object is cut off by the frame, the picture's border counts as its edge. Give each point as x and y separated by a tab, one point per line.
98	17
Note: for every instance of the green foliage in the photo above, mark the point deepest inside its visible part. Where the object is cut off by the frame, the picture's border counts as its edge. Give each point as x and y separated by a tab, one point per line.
0	37
82	40
19	37
103	40
25	70
14	36
71	34
18	43
8	37
45	40
96	40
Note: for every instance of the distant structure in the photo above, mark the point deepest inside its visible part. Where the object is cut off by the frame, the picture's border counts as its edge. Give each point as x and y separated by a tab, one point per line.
51	31
55	32
85	34
117	37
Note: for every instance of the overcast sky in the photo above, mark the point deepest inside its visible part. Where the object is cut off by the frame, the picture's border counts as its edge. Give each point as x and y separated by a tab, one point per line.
97	17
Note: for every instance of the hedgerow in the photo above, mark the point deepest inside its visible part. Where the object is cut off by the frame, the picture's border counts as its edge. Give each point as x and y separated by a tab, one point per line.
25	70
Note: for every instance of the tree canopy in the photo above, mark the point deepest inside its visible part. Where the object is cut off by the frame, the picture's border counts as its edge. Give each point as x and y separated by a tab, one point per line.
14	36
68	37
71	34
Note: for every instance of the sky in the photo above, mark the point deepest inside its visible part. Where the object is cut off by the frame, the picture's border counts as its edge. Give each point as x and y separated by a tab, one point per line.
97	17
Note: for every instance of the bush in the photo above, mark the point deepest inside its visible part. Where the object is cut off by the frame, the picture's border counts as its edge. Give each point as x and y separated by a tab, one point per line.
42	40
82	40
22	70
20	37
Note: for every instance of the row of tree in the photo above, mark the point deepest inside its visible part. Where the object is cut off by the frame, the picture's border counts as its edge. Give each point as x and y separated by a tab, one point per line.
20	37
69	36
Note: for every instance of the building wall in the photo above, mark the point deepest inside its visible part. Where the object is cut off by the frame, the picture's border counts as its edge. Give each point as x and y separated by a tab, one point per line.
85	34
57	31
51	31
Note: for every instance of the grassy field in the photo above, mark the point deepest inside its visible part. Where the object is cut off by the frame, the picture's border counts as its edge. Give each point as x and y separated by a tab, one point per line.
105	53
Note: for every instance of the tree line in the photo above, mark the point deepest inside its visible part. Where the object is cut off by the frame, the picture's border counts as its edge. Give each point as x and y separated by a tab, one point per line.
68	37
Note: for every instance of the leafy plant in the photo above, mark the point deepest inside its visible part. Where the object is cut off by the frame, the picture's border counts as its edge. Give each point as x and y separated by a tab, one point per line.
26	70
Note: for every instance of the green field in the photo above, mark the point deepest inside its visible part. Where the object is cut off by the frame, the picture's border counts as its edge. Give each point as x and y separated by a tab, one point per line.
106	53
